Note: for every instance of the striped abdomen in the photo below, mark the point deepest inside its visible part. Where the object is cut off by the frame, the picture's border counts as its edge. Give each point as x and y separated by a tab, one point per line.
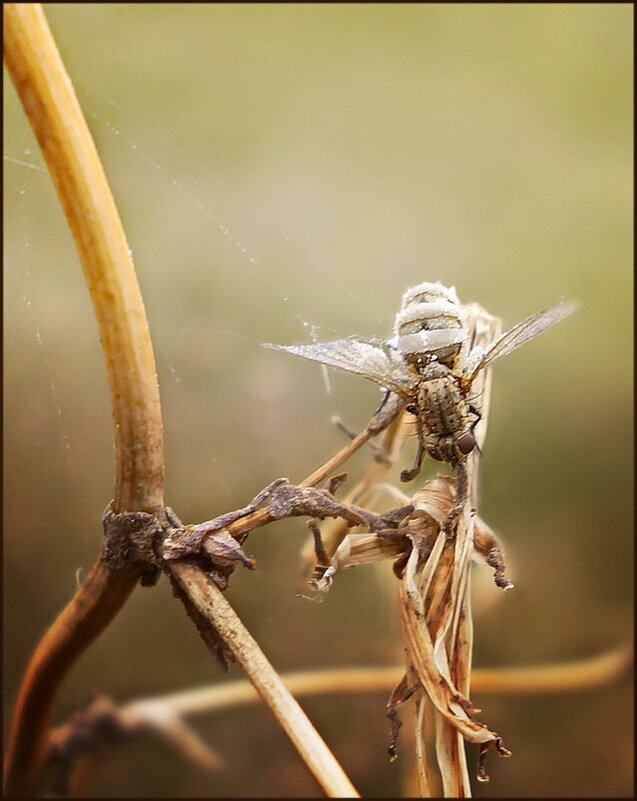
430	324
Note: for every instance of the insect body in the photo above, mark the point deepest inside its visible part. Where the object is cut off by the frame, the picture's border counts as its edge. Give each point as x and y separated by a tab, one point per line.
430	365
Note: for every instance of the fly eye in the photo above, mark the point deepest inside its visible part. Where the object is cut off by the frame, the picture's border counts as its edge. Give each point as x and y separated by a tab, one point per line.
466	443
411	409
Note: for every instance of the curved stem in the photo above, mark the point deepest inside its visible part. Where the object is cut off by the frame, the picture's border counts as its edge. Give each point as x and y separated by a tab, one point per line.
89	612
68	148
52	108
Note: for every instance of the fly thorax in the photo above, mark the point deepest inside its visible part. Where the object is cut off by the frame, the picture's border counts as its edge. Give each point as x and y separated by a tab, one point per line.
441	406
432	369
431	323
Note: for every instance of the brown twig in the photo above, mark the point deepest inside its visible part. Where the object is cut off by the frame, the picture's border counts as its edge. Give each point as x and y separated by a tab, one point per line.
212	605
79	745
574	676
335	531
80	742
52	108
90	611
377	424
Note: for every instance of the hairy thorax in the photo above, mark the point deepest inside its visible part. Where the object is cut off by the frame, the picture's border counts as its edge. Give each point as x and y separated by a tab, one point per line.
444	414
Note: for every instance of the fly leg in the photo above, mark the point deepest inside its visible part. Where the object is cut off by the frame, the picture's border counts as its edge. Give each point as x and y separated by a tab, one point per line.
390	407
380	454
473	425
401	693
408	475
450	522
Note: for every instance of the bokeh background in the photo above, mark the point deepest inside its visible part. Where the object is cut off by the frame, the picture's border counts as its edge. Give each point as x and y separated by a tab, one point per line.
285	171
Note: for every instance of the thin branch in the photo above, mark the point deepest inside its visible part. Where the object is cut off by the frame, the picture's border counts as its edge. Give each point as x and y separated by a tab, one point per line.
574	676
377	424
262	517
212	605
581	674
79	744
52	108
336	530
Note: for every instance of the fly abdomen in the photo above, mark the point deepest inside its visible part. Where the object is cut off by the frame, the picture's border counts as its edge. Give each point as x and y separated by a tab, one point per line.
430	324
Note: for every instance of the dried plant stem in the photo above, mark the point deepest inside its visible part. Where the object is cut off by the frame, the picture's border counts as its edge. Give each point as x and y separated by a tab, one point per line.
215	697
55	115
165	714
459	643
334	531
68	148
89	612
336	461
435	607
482	328
210	602
262	516
582	674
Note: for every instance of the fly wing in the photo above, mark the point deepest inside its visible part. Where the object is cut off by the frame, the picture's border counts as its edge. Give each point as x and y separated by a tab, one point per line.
521	333
362	358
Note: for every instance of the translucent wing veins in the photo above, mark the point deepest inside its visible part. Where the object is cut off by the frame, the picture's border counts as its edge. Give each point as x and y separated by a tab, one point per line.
521	333
361	358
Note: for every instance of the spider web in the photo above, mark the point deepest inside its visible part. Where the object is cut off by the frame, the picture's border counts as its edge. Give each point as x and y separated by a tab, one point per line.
27	183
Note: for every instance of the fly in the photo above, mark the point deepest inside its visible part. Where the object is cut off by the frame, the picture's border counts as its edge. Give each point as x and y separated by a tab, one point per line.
431	365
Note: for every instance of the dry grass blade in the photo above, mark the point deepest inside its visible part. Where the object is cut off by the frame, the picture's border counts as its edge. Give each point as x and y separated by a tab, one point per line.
334	532
436	642
435	607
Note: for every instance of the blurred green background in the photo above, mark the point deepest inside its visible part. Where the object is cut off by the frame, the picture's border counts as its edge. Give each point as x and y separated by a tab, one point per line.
289	169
